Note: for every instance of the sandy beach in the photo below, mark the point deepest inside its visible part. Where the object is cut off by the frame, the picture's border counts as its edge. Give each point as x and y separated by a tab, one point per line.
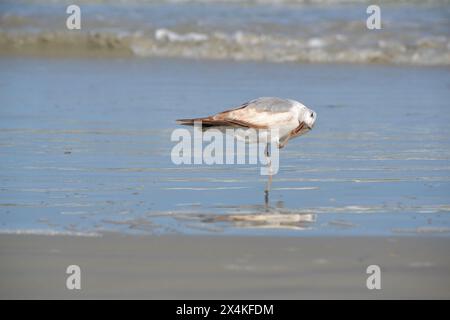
180	267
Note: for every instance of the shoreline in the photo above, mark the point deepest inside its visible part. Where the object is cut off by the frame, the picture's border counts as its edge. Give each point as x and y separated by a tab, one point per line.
204	267
101	54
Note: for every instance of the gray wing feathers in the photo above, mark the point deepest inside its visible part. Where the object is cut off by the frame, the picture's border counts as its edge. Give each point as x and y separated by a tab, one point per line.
258	113
270	104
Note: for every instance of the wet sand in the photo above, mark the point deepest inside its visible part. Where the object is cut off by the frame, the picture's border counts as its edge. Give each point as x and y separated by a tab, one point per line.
184	267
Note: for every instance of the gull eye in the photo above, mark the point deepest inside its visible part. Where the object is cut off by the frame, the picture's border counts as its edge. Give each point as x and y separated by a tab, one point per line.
312	114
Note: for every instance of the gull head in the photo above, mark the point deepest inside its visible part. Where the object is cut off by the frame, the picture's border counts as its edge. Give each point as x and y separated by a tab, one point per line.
306	115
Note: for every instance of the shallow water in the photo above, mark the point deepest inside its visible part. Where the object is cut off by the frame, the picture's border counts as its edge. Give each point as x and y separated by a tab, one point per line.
85	148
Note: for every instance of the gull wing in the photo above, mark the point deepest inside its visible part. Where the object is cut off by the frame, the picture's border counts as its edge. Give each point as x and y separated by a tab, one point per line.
261	113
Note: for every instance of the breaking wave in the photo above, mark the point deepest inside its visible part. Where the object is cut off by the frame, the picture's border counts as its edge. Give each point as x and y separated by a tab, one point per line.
332	31
236	46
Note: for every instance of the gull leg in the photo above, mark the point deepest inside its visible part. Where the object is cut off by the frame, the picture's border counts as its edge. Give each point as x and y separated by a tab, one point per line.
283	143
269	182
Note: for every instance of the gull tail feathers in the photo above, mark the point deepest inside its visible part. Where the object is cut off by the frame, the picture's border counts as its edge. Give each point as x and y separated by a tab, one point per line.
205	122
211	122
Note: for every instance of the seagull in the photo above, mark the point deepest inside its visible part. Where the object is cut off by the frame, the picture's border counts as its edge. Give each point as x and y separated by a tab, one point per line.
290	117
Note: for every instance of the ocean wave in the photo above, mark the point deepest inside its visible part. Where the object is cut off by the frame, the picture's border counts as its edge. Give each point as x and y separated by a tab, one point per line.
415	33
165	34
239	45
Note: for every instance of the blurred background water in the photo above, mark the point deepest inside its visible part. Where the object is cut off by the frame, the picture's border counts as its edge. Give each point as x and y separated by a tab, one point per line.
413	32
